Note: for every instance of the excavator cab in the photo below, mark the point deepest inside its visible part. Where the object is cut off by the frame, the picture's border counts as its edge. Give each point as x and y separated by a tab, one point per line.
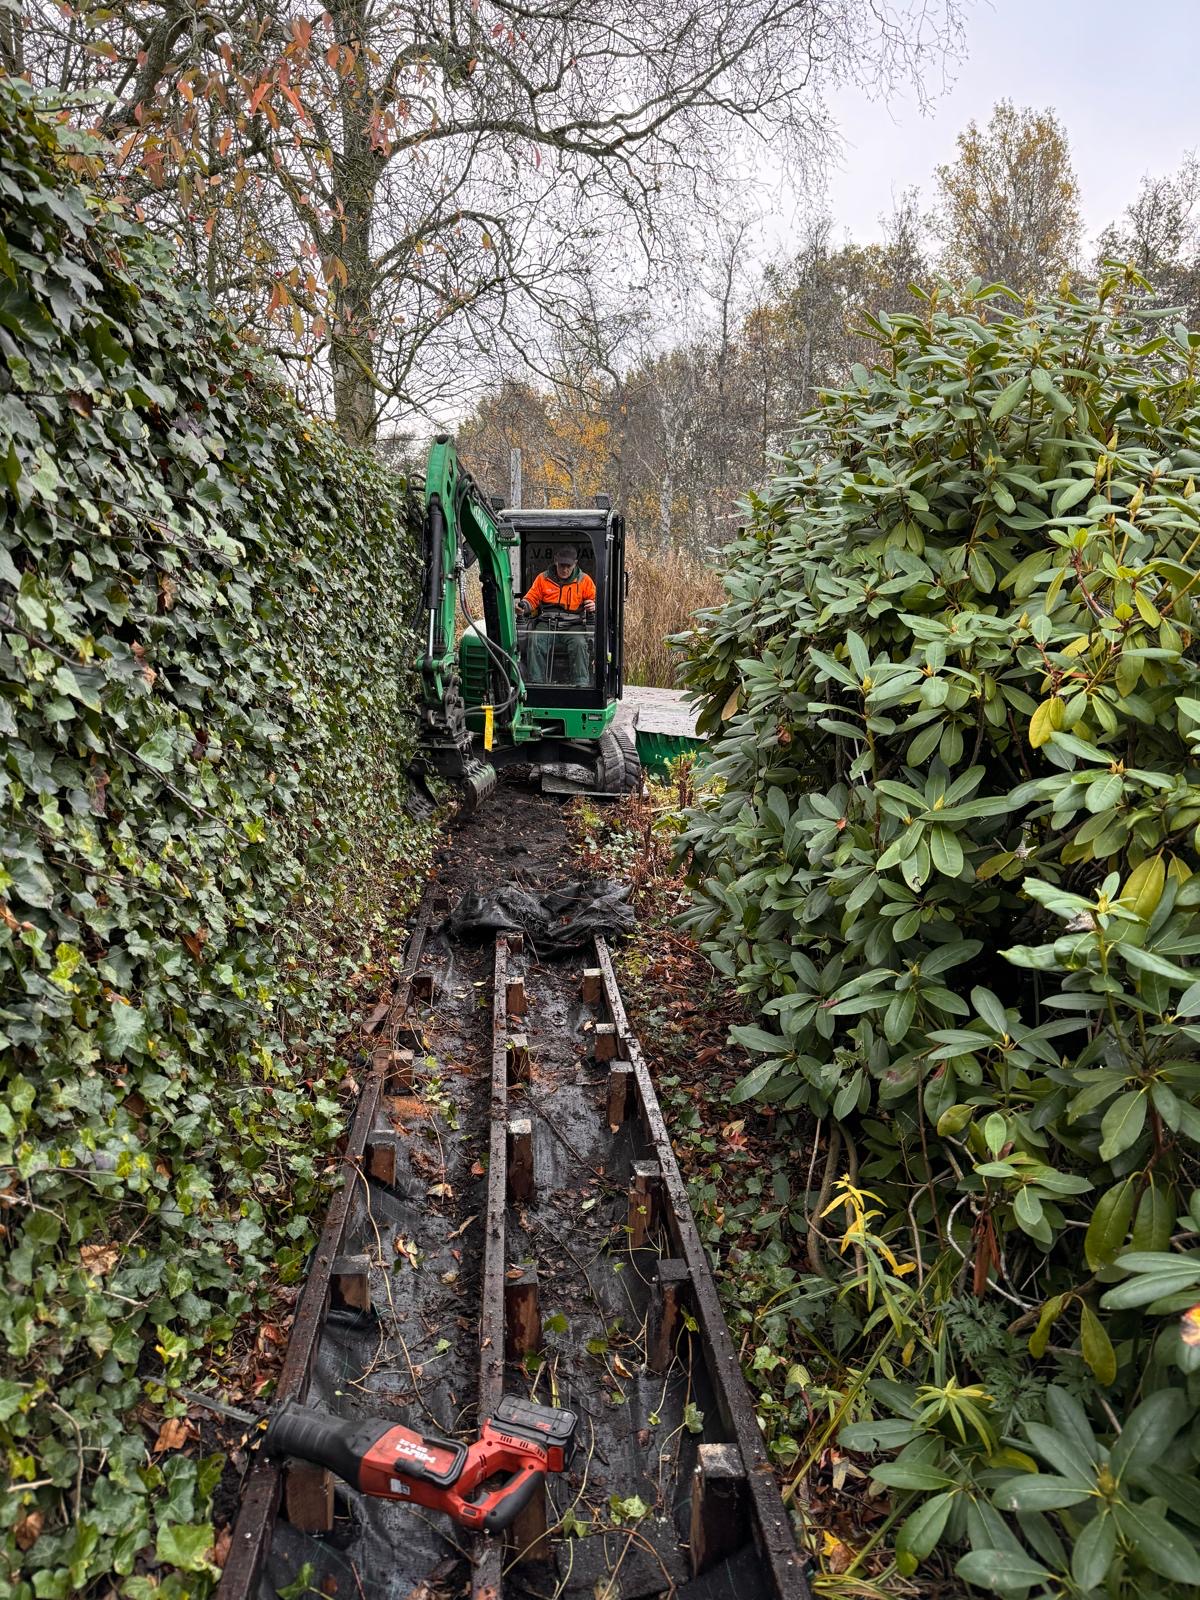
568	650
540	690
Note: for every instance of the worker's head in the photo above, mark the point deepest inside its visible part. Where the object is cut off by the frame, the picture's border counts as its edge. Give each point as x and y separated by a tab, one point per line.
565	558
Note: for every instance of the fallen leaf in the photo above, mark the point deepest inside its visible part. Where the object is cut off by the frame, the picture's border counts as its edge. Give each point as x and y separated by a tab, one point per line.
462	1228
837	1555
99	1258
174	1434
28	1529
477	1169
221	1547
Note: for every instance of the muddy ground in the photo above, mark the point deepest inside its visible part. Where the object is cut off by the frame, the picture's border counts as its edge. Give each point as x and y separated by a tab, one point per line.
416	1358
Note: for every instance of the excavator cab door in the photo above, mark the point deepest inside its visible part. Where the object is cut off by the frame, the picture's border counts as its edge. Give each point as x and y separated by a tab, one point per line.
571	662
617	588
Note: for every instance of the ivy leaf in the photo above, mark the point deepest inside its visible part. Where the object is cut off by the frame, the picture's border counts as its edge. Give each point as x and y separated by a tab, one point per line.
186	1545
158	752
124	1032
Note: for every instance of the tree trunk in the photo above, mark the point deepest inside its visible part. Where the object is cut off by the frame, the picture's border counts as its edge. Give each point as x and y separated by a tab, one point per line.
12	42
352	345
356	174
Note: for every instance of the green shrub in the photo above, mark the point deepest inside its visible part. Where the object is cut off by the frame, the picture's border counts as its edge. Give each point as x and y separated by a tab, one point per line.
203	695
950	860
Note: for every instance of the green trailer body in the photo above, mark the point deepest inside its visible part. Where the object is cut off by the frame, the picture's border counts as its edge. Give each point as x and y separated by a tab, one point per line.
664	725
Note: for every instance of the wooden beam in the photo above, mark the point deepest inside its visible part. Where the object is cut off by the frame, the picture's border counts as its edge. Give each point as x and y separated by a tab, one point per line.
518	1058
773	1533
520	1159
720	1519
398	1072
522	1317
515	998
620	1094
308	1496
350	1283
644	1201
262	1488
383	1158
527	1536
668	1297
593	986
605	1046
488	1555
422	986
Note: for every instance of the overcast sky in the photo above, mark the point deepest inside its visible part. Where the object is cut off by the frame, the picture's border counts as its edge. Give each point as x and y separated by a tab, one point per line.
1121	74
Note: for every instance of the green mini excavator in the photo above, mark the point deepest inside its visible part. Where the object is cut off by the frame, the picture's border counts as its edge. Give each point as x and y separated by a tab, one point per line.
539	690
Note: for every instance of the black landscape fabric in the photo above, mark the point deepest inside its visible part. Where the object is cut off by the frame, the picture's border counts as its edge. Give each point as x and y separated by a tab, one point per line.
556	922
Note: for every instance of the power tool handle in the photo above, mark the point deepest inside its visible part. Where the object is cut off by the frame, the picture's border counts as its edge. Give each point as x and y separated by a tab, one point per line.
324	1440
512	1500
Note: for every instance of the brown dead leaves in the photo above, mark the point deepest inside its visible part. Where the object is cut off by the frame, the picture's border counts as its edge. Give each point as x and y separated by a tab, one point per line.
28	1530
99	1259
175	1434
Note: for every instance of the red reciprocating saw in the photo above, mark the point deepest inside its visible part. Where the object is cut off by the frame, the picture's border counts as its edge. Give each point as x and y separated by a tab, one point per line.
517	1445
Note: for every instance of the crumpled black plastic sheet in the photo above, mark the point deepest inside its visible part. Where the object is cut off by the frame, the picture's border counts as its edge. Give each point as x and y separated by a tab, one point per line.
564	920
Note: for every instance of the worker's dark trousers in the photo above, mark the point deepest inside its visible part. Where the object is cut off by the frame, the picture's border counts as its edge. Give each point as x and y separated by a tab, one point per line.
559	657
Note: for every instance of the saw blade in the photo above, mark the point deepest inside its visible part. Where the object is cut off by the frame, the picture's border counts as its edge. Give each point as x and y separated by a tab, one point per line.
211	1403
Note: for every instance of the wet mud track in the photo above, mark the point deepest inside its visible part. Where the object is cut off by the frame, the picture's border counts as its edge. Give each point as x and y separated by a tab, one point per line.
514	1225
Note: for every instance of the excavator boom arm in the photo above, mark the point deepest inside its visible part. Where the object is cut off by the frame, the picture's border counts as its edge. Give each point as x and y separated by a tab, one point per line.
460	529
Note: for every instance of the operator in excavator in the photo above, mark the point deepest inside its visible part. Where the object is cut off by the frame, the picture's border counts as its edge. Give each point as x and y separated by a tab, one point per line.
560	603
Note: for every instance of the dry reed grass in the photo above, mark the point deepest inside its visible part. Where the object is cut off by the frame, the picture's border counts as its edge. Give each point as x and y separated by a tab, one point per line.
665	589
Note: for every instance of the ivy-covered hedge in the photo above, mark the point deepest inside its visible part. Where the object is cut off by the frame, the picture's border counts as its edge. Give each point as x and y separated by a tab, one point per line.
204	707
951	860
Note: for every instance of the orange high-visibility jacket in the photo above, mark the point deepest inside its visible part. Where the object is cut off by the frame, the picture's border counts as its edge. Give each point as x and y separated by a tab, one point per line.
547	591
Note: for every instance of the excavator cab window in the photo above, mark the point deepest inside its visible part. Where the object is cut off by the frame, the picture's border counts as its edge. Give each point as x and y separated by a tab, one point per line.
570	656
559	643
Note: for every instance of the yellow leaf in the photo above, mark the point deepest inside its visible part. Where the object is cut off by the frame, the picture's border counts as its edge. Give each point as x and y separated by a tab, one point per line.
1144	886
731	704
1048	716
